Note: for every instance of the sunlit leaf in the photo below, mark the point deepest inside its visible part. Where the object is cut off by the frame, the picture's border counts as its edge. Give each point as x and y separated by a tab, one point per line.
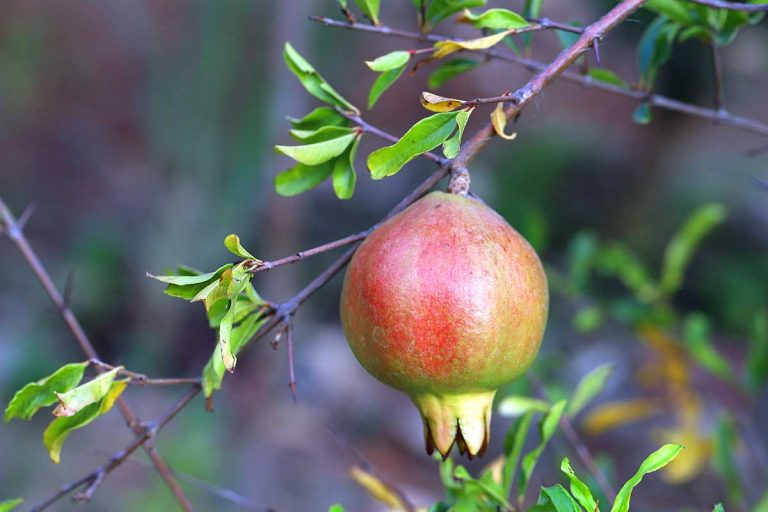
499	122
450	69
60	428
301	178
29	399
579	489
682	246
8	505
370	8
423	136
389	61
336	507
76	399
376	488
516	405
445	48
436	103
653	462
498	19
611	415
452	146
318	152
588	388
312	81
547	427
384	82
233	245
187	285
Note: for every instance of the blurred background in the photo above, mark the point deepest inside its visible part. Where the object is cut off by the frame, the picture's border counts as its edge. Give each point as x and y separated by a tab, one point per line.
143	132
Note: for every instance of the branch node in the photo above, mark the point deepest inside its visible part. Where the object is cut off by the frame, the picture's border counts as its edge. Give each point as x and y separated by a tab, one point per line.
460	181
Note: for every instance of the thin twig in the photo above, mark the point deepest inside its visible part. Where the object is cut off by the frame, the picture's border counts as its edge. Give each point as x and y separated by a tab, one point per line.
720	117
291	362
96	477
732	6
341	242
577	443
140	379
16	233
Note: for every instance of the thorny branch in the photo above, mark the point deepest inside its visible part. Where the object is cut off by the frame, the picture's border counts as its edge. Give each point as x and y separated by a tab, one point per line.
14	230
720	116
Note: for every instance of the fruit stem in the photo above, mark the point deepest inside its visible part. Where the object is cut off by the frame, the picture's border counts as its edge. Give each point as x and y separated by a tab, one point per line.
460	181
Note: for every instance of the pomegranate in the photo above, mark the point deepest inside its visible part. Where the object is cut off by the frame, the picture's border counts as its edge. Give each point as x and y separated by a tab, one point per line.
446	302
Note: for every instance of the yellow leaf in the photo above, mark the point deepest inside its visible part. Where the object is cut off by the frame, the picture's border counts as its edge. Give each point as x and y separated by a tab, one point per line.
691	462
499	122
445	48
496	466
437	103
673	367
616	414
376	488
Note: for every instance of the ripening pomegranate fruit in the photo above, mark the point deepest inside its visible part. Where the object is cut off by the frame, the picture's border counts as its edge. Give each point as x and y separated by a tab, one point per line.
446	302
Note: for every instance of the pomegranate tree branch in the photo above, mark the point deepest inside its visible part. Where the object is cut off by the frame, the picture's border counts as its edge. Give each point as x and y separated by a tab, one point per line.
92	480
732	6
717	75
722	117
139	379
14	230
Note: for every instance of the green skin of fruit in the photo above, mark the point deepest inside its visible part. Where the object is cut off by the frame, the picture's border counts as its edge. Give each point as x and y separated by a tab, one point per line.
446	302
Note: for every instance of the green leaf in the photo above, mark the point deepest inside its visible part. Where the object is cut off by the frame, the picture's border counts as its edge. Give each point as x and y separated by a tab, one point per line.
344	175
301	178
318	152
392	60
579	489
439	10
452	146
655	48
336	507
8	505
29	399
370	8
653	462
588	319
227	323
60	428
757	354
384	82
547	427
682	246
616	260
213	372
725	448
695	32
607	76
672	9
517	405
588	388
75	400
321	134
423	136
187	285
718	508
318	118
513	449
696	337
555	499
233	245
582	252
531	9
312	81
497	19
450	69
642	113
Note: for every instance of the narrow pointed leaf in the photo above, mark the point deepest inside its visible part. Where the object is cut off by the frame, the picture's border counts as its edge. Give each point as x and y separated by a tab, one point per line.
517	405
555	499
370	8
547	427
188	285
382	83
344	175
579	489
8	505
653	462
423	136
499	122
452	146
29	399
513	449
588	388
319	117
312	81
438	10
233	245
445	48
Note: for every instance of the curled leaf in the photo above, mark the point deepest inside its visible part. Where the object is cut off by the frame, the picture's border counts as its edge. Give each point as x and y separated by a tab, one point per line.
499	122
232	243
436	103
500	19
389	61
445	48
75	400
